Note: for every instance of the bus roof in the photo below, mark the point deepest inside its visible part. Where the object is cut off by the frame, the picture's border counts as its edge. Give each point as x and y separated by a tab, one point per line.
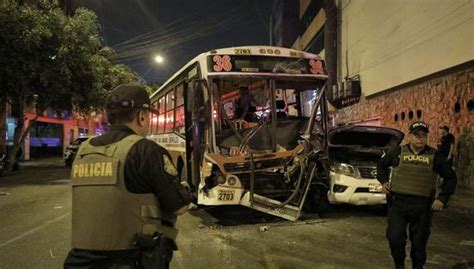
242	50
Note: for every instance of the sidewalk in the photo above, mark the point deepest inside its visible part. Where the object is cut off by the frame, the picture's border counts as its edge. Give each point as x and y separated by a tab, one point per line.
462	199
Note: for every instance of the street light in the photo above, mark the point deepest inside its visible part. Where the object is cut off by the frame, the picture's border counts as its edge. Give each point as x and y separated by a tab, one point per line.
158	59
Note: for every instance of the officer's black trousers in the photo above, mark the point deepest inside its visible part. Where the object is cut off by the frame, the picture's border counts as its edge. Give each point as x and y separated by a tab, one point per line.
413	212
120	259
90	259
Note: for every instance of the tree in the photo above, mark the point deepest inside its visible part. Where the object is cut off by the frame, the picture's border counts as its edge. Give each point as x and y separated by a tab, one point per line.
49	60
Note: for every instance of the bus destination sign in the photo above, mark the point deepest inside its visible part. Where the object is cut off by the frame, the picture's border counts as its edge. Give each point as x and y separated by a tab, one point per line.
264	64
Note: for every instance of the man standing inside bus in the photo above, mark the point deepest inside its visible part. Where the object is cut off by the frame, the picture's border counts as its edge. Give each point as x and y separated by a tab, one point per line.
125	195
412	190
243	104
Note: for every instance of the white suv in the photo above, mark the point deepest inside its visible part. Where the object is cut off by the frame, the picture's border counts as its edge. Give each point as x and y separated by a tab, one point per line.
353	153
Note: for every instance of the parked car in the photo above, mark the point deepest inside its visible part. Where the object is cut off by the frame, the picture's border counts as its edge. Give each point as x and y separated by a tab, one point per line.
71	150
353	155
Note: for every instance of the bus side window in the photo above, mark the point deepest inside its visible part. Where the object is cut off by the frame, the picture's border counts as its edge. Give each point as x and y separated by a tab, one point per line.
161	117
179	123
154	120
169	112
179	116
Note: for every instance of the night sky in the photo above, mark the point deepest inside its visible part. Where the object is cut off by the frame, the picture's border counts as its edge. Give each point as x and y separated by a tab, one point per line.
177	29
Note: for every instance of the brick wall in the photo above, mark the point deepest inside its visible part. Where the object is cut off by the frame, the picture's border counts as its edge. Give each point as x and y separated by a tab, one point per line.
465	161
435	98
441	99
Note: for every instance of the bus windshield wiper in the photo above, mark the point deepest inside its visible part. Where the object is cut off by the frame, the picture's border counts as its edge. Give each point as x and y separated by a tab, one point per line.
251	134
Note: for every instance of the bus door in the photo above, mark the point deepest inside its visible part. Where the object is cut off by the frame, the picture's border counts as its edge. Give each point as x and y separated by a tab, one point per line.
197	122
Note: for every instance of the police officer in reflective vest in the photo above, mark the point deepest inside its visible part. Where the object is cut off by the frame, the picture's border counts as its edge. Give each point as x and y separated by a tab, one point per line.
125	192
411	193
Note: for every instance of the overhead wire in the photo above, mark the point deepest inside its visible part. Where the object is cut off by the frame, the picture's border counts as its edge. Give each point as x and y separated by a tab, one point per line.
186	33
177	36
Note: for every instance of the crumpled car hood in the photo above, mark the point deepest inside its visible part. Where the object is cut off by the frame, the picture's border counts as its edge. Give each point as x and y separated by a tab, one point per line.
364	136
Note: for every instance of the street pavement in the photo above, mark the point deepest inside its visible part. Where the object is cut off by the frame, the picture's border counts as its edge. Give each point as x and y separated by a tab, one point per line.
35	216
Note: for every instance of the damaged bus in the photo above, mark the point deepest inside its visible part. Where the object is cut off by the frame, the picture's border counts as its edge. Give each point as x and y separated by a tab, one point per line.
247	126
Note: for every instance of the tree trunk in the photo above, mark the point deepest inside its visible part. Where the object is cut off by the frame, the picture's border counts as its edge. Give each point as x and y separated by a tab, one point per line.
21	131
17	136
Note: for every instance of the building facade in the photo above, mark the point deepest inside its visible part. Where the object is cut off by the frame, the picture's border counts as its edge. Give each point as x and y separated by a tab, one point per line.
284	23
51	133
411	60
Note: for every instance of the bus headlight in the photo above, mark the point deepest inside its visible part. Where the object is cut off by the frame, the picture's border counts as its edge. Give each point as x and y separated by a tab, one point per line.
221	179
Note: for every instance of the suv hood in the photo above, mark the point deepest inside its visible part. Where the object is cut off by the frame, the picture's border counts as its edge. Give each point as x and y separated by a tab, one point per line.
358	144
364	136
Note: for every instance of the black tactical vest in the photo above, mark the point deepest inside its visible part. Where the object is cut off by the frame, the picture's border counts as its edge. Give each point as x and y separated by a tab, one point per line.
414	175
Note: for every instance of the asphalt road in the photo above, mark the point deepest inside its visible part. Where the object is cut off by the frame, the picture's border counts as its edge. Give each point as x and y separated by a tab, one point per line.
35	215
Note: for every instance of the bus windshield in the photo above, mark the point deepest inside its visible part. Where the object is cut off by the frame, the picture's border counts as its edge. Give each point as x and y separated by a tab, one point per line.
265	114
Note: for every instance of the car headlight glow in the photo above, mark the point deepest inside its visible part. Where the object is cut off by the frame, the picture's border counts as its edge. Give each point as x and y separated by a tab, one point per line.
344	169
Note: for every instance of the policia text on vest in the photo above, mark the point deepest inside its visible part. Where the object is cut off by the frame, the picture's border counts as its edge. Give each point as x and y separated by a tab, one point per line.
97	169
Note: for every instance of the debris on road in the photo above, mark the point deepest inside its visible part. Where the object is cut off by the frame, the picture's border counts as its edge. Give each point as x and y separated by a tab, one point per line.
263	228
51	253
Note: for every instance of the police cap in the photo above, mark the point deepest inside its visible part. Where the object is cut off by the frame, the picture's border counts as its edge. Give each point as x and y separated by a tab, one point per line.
418	126
130	96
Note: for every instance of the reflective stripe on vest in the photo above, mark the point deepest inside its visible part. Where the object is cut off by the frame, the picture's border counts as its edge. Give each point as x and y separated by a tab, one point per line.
105	215
414	175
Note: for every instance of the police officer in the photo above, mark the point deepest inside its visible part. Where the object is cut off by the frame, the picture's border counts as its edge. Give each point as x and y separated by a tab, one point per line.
124	187
411	190
446	144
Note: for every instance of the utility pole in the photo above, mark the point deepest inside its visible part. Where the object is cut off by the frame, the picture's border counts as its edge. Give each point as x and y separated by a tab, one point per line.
330	41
